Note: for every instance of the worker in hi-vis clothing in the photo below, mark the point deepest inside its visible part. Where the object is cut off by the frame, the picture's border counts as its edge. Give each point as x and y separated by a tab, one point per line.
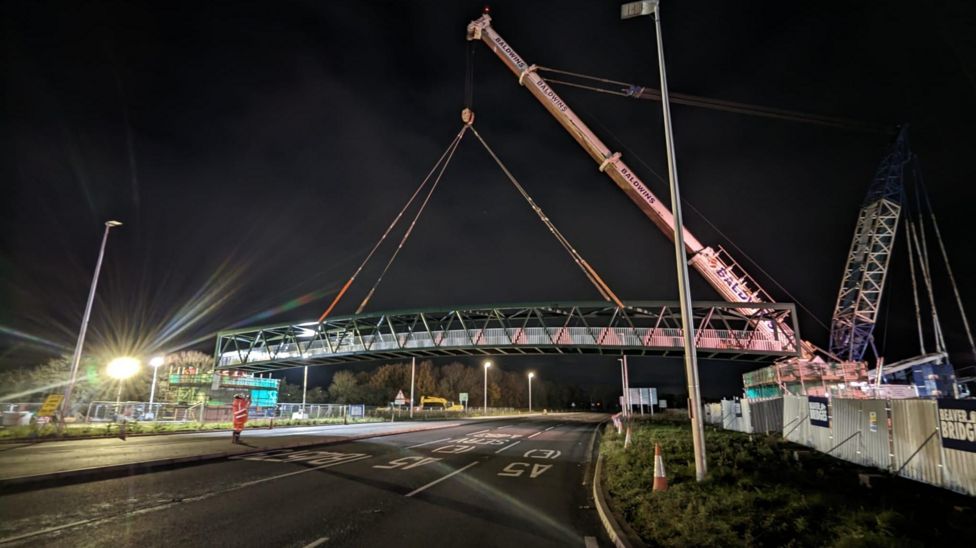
241	403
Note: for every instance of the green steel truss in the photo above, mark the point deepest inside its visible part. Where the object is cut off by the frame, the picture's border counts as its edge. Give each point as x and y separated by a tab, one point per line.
641	328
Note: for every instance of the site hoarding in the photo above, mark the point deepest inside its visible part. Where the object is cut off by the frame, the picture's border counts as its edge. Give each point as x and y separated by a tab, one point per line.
957	423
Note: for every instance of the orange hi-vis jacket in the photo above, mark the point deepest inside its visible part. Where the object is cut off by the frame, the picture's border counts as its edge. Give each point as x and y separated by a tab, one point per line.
240	413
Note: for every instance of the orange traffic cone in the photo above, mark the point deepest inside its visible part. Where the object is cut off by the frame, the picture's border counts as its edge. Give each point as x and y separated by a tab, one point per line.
627	438
660	480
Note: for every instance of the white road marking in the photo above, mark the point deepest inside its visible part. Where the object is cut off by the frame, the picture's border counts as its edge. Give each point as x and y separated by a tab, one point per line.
548	429
436	481
506	426
480	431
507	446
48	530
295	473
170	504
589	542
534	435
326	539
428	443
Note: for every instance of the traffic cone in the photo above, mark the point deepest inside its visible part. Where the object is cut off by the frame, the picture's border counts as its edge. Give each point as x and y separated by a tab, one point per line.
660	480
627	438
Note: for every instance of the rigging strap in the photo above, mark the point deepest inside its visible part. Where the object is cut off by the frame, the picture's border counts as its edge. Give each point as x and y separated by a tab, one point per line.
590	273
389	229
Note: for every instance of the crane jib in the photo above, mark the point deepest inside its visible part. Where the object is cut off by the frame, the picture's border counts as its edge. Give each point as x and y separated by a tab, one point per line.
720	274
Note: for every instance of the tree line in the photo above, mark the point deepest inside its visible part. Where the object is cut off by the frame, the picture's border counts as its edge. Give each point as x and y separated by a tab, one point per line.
505	388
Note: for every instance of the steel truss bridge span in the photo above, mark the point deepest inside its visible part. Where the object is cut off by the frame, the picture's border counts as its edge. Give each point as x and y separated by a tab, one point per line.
642	328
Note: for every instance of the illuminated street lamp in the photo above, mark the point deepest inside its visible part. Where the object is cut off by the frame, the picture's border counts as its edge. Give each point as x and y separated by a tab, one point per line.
76	358
121	369
487	365
156	362
530	390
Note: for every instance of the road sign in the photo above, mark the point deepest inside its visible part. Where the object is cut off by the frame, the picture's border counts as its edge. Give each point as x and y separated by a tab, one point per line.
463	397
50	405
357	410
400	398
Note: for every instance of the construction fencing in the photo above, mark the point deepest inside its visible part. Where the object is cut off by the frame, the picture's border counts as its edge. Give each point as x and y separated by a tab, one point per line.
929	441
752	416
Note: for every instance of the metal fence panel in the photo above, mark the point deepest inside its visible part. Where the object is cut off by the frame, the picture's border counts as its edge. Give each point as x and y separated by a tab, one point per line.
733	420
916	441
713	413
766	415
960	471
861	432
796	419
728	415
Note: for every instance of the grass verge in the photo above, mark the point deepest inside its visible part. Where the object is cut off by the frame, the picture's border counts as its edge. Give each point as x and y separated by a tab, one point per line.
757	494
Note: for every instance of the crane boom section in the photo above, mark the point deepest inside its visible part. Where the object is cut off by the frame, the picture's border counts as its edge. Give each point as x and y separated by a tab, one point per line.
609	162
716	267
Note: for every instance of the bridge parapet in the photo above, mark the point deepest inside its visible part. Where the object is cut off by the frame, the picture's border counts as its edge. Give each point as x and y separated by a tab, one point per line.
640	328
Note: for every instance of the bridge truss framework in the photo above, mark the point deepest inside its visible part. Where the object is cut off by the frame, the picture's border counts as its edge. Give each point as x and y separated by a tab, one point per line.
642	328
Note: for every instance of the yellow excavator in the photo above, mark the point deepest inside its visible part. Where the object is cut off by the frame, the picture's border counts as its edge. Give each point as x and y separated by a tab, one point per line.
435	403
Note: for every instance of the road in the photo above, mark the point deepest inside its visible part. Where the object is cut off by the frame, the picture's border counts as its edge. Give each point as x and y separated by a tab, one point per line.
24	459
511	482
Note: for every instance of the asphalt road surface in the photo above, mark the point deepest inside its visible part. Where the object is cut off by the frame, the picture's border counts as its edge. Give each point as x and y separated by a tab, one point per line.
507	482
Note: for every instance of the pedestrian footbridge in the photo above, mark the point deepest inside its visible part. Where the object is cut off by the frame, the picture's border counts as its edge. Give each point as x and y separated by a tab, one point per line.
640	328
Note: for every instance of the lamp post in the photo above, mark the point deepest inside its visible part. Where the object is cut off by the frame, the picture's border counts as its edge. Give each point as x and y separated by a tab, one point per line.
156	362
121	369
76	358
304	390
530	390
487	365
653	8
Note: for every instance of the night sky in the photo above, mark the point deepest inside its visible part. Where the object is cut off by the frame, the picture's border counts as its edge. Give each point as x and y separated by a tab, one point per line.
256	150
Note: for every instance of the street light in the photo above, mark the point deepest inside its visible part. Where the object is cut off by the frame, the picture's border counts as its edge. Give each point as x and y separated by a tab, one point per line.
121	369
487	365
653	8
530	390
156	362
76	358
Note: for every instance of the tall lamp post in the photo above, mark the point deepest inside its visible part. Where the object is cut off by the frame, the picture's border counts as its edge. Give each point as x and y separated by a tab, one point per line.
653	8
121	369
156	362
76	358
530	390
487	365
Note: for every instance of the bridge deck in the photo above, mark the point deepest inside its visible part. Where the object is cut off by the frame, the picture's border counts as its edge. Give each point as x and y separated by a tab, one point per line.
641	328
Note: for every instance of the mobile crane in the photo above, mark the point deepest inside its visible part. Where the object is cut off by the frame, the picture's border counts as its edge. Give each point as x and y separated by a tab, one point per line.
715	265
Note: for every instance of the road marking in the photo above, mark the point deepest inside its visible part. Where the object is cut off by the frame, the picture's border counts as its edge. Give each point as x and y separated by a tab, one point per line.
534	435
428	443
506	426
48	530
507	446
305	471
589	542
480	431
550	428
170	504
326	539
436	481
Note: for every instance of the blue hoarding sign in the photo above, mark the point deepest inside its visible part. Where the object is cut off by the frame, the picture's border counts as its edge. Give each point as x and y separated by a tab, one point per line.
819	415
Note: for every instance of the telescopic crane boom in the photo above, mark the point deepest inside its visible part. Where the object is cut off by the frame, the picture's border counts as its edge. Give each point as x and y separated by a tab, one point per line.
717	267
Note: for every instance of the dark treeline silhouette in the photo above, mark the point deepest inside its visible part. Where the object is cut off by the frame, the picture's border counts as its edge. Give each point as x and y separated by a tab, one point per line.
505	388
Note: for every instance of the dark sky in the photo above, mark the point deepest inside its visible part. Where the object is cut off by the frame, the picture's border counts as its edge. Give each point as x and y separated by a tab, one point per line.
256	150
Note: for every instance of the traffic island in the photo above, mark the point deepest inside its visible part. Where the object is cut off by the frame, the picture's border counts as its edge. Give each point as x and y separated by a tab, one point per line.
757	493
